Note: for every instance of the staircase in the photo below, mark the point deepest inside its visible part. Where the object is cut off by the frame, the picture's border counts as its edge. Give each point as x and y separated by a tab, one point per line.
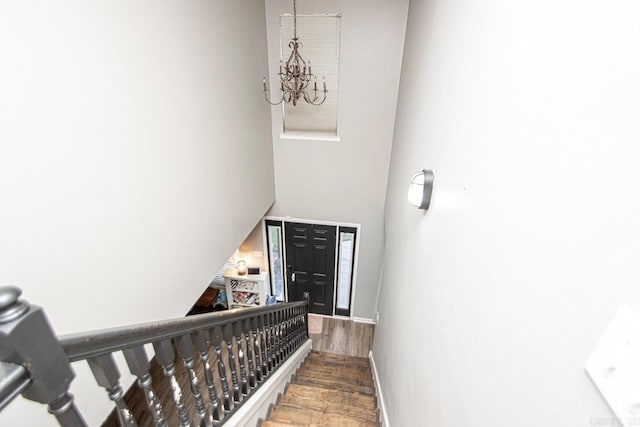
328	390
206	370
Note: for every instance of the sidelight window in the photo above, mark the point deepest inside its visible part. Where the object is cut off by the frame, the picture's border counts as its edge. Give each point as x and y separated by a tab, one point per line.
276	264
346	257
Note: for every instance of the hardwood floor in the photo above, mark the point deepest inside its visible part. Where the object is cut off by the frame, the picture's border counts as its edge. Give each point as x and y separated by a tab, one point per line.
329	390
344	336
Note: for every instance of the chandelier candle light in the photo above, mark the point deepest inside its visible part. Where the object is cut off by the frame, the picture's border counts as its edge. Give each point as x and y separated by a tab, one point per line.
295	75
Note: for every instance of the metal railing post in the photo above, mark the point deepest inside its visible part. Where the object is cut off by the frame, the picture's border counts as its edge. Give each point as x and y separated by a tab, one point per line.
27	339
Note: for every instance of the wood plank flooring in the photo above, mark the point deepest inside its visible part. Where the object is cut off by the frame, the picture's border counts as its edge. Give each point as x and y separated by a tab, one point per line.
329	390
344	336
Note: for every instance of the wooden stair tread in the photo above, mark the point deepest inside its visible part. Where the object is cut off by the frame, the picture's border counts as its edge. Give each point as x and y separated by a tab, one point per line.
338	358
364	363
328	355
337	364
317	418
332	396
270	423
339	371
351	411
319	382
337	377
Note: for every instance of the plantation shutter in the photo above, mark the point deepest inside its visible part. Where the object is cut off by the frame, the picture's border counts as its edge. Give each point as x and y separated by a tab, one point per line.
320	39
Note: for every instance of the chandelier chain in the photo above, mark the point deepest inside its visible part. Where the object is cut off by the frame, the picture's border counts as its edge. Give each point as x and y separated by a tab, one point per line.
295	21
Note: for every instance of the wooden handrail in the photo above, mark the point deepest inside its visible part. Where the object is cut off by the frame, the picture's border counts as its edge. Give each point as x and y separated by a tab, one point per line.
81	346
14	379
250	344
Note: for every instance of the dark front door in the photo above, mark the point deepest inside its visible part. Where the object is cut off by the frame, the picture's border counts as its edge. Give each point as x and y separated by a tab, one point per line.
310	252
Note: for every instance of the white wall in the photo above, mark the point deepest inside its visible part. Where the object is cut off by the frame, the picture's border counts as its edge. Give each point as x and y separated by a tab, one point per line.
528	113
254	246
126	132
346	181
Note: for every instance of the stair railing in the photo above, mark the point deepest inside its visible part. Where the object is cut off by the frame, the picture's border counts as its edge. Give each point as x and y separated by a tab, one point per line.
245	345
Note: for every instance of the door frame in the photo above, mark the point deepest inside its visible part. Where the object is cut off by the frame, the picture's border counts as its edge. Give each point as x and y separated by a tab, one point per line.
356	256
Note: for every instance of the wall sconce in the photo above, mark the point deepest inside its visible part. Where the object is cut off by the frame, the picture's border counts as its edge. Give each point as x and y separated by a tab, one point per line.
420	189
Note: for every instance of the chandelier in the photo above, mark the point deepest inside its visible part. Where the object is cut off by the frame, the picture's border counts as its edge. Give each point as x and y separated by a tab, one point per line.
296	76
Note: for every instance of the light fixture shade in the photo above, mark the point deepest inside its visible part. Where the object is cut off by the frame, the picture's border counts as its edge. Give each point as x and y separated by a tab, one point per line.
420	189
241	266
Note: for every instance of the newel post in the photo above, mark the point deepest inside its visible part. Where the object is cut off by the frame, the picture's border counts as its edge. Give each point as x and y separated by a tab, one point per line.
27	339
307	298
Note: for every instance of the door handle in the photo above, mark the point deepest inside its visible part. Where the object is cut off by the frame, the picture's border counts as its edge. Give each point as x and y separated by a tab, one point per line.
290	275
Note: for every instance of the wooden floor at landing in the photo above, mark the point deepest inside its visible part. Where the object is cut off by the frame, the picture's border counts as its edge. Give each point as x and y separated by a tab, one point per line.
342	336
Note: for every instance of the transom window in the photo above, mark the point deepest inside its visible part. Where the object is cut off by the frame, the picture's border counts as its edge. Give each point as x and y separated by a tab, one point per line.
320	38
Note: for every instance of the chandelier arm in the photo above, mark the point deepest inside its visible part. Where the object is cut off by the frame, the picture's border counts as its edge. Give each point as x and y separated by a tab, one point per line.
266	98
308	99
265	90
324	98
294	52
298	45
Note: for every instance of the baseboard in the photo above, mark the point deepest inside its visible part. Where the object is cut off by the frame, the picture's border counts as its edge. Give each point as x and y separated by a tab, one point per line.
384	419
363	320
257	406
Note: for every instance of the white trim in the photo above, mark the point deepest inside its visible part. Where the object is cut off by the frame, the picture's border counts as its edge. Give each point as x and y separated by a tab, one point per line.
335	316
258	404
336	257
354	275
356	257
363	320
354	263
332	15
285	264
346	318
267	249
384	418
303	137
311	221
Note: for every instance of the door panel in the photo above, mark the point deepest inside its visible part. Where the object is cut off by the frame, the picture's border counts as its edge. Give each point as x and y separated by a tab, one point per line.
311	264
